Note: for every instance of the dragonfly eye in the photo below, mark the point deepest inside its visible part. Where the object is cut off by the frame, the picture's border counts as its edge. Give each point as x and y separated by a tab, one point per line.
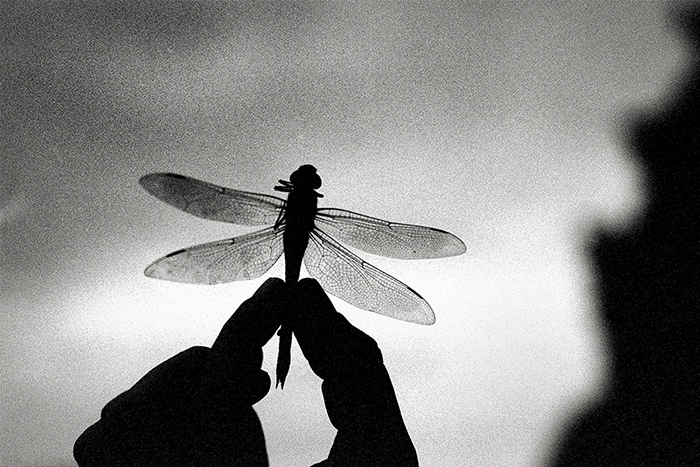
306	176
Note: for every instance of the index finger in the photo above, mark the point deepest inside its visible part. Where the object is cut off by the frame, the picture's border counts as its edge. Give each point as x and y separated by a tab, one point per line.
236	356
256	320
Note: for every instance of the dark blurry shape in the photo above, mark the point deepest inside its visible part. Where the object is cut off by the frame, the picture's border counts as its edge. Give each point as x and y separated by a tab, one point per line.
301	231
649	287
358	393
194	409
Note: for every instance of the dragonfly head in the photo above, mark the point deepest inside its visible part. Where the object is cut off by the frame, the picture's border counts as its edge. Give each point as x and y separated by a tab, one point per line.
304	178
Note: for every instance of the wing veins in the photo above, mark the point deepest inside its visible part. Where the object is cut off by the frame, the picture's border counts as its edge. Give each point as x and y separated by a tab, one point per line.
387	295
213	202
240	258
391	239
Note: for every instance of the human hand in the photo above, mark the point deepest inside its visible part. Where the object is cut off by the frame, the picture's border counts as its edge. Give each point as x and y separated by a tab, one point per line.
194	409
357	390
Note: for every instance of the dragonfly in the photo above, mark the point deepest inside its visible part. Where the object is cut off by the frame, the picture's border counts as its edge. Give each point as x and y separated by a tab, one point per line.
304	232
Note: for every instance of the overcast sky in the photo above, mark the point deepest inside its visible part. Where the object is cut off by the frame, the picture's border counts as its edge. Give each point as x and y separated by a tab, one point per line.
501	122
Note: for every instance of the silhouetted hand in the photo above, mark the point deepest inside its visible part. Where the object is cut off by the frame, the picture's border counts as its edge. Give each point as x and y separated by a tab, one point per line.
357	390
194	409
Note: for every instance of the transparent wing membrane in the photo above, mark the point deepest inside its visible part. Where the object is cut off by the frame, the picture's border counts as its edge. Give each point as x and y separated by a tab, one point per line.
236	259
213	202
393	240
348	277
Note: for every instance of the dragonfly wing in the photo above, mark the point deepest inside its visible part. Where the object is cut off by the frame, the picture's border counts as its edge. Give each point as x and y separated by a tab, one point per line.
390	239
213	202
348	277
236	259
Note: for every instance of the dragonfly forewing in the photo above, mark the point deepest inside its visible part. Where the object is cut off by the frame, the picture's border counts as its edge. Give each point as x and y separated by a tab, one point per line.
236	259
349	278
390	239
211	201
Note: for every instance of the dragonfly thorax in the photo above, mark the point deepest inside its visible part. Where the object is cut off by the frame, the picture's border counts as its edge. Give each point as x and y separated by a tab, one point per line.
300	210
301	205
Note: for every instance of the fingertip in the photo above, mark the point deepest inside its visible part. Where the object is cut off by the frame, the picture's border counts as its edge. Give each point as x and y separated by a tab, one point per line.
271	294
256	319
311	292
309	284
273	284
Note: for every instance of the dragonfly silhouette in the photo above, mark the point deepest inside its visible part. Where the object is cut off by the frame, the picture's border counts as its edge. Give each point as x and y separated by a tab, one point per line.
301	230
